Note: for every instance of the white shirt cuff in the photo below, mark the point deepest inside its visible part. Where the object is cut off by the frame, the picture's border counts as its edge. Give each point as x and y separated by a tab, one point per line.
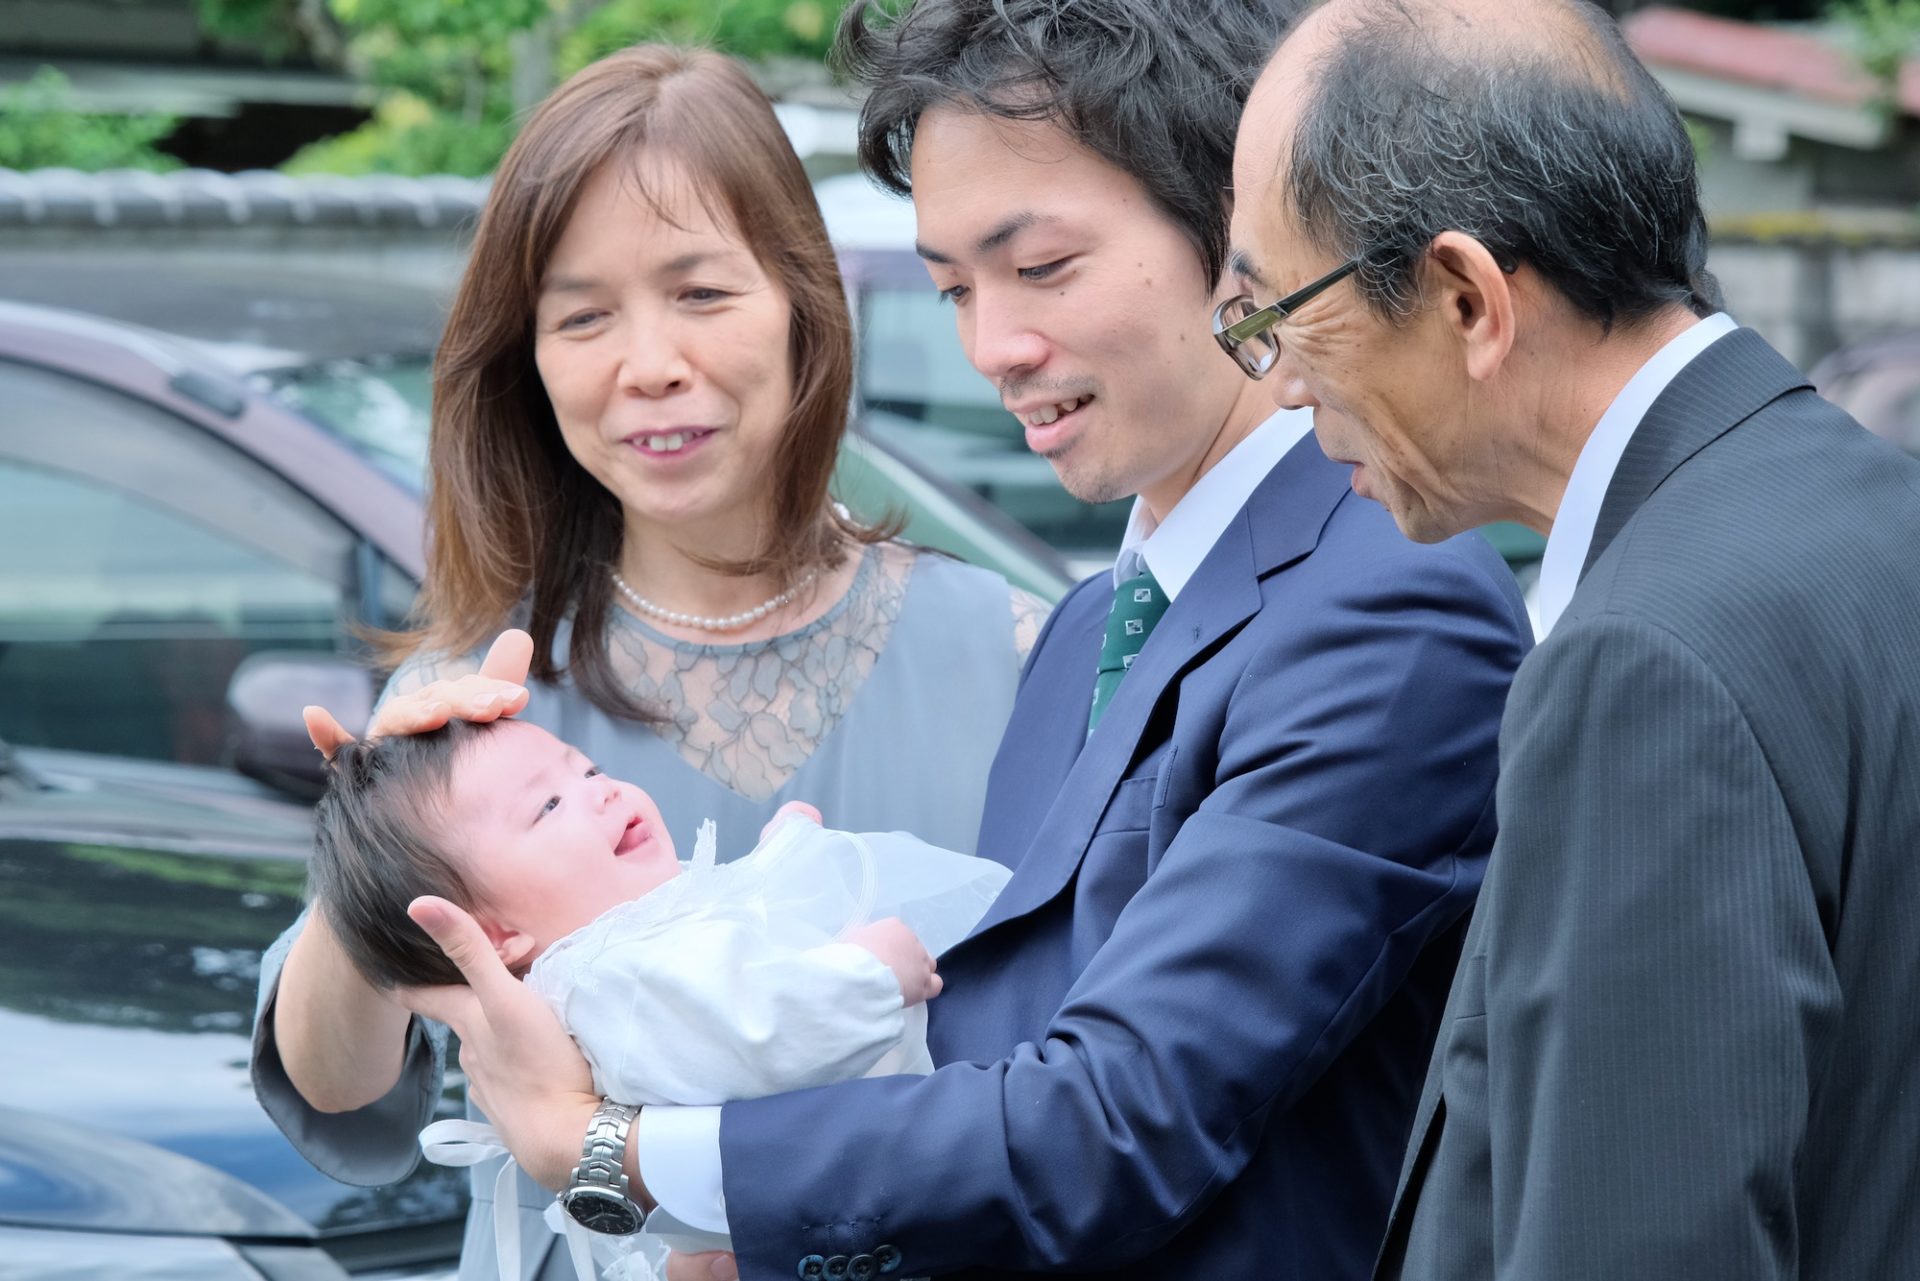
679	1159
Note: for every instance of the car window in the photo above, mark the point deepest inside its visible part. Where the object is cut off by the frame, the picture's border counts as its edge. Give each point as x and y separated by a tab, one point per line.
140	560
919	395
378	409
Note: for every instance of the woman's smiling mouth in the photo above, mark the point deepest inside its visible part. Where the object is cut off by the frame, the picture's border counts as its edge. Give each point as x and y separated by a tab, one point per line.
676	443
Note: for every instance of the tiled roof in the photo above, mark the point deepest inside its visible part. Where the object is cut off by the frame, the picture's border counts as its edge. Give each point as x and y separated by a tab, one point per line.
1793	62
202	198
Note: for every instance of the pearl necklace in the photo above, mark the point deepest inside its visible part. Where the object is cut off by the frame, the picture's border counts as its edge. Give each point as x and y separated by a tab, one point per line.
731	623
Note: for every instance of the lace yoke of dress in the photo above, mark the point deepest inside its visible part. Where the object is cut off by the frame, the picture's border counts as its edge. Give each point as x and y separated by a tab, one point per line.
750	715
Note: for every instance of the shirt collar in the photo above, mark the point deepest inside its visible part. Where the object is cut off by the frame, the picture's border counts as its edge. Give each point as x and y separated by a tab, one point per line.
1579	513
1173	548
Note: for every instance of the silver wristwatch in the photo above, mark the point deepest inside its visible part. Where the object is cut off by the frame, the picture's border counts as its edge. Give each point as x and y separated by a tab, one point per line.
597	1196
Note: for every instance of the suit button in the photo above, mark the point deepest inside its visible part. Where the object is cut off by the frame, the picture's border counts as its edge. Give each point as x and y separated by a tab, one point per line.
812	1268
861	1268
886	1258
837	1268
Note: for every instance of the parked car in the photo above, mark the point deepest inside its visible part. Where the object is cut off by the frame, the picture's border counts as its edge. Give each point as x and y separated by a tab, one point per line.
1877	380
164	516
135	901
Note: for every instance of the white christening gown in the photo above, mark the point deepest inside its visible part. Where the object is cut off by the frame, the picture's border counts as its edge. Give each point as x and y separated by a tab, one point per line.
730	982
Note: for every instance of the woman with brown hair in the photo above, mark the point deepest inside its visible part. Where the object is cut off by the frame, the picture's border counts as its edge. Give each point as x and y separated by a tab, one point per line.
638	405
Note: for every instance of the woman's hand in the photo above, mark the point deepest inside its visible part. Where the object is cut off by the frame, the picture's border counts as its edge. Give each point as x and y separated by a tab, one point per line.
523	1070
498	689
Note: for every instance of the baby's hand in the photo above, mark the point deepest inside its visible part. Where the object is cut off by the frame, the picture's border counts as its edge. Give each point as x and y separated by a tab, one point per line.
801	808
900	950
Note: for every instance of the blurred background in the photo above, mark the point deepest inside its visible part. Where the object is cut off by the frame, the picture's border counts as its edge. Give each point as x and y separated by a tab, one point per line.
228	232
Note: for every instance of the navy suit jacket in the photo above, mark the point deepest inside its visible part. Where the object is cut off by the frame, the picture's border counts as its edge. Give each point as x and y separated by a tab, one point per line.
1189	1037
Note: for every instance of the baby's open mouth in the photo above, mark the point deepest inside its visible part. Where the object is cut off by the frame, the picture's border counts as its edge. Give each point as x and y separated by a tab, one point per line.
631	839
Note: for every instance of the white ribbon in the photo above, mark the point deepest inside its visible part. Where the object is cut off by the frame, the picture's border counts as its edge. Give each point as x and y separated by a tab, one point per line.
456	1143
469	1143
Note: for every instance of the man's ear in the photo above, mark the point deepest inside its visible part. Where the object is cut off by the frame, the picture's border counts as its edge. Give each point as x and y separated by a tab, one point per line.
514	947
1475	301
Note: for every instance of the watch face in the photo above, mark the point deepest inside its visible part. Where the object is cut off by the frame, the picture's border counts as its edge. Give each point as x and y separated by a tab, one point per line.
600	1210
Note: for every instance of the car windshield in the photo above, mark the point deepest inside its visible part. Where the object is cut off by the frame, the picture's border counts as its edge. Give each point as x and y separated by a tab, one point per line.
379	407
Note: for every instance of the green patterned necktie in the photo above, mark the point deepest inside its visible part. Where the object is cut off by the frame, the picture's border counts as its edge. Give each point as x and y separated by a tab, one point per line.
1138	604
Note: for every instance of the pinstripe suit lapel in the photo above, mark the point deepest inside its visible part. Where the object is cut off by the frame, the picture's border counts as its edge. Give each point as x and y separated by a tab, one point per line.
1723	386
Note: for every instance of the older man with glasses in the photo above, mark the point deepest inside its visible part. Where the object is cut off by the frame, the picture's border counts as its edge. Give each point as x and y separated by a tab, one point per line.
1684	1040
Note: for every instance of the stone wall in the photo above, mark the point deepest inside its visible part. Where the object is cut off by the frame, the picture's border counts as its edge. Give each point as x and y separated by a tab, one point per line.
1810	296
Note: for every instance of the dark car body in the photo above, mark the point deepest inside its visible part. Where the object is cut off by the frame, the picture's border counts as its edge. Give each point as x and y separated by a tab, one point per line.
134	905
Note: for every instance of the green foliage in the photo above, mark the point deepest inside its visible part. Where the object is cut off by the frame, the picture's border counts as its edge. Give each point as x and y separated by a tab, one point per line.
40	129
454	79
744	28
1702	138
271	25
406	136
1885	34
1744	10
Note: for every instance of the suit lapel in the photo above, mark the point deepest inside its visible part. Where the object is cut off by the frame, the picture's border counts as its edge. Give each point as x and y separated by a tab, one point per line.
1280	524
1720	388
1048	728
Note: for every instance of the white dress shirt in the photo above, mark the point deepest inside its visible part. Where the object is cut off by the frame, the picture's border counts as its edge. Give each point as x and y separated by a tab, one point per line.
1579	513
1173	548
679	1147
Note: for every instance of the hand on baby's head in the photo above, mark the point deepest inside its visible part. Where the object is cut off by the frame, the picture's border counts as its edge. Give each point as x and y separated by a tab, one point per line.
899	949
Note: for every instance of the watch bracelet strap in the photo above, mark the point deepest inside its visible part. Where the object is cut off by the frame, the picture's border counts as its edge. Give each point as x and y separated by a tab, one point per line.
603	1152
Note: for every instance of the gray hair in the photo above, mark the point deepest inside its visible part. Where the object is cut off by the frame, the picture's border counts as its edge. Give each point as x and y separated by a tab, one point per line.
1552	146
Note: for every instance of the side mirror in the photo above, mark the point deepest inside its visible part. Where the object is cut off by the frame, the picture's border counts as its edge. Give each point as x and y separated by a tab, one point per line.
264	700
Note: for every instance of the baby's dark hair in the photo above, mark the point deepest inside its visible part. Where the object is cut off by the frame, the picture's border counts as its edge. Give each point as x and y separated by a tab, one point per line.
377	847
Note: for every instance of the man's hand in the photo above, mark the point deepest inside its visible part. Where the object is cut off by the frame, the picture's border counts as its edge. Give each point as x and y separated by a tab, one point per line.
522	1068
498	689
900	950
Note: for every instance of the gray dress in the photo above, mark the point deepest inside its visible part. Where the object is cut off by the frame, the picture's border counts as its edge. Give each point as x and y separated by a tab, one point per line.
885	713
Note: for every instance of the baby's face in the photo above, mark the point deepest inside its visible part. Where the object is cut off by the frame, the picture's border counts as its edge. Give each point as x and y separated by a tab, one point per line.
547	840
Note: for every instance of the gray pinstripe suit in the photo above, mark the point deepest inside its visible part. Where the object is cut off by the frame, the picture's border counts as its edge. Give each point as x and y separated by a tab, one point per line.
1685	1040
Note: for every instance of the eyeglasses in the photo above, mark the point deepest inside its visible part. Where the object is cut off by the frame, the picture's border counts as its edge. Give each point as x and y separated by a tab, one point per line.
1241	329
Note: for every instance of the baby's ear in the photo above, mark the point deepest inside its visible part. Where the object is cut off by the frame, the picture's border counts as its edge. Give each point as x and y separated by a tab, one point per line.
514	948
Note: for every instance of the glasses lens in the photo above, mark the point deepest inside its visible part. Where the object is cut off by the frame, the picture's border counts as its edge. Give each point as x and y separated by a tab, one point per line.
1255	352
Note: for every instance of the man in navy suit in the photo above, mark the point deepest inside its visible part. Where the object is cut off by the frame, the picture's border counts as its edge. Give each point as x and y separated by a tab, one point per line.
1247	788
